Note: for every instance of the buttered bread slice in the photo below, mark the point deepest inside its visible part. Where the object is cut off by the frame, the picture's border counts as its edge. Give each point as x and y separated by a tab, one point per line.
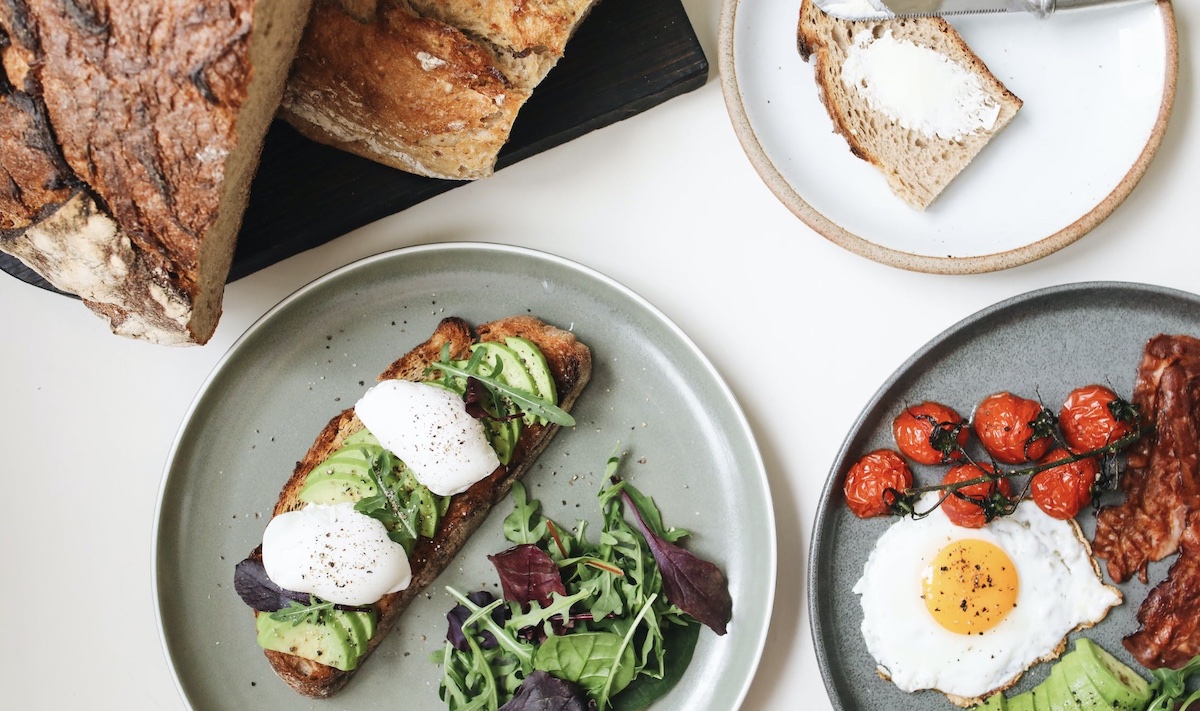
907	94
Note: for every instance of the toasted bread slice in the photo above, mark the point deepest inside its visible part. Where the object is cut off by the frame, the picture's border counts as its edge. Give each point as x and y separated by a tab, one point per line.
917	162
570	363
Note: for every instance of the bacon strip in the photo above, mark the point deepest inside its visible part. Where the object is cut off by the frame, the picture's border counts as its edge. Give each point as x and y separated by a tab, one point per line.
1161	512
1162	485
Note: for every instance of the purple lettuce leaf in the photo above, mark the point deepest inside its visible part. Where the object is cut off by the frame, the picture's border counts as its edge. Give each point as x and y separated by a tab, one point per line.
528	574
691	583
543	692
457	616
259	591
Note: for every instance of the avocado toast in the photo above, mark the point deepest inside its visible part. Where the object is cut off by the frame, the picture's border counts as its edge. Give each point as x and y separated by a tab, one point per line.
353	634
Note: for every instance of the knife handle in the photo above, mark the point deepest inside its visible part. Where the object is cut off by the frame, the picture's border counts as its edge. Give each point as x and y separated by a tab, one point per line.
1044	8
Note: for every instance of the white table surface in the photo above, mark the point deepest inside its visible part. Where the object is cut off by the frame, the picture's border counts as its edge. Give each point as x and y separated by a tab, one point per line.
665	203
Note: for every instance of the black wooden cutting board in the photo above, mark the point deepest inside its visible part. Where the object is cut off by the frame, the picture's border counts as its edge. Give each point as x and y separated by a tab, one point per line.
626	57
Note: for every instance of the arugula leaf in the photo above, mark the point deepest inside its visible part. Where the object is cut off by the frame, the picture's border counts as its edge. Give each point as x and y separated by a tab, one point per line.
506	639
520	526
526	401
1171	684
458	615
538	614
600	662
297	612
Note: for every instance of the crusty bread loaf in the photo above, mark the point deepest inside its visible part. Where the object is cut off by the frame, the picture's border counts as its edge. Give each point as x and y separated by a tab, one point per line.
570	363
918	164
432	87
130	134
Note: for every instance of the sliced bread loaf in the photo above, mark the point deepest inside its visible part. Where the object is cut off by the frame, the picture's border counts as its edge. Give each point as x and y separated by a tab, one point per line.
431	87
907	94
130	134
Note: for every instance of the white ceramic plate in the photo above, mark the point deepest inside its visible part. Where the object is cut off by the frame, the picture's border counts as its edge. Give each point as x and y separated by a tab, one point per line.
1098	87
688	445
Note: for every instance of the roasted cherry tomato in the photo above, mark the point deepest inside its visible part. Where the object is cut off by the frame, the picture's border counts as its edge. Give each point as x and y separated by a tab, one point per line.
930	433
1064	490
969	514
868	481
1013	429
1092	417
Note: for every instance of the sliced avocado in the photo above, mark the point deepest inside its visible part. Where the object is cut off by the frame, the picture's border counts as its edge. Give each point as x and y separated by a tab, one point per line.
1054	694
363	436
457	387
335	488
360	625
995	702
1121	687
513	370
324	642
503	435
535	363
1021	702
1073	677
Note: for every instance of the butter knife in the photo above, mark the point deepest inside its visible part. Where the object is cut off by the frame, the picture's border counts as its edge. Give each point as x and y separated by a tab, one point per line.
886	9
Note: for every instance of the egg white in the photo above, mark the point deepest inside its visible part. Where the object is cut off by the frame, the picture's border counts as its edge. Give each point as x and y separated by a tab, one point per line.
1059	591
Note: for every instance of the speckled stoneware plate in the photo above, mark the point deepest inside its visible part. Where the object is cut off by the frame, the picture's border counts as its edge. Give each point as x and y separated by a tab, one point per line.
1098	87
687	444
1041	344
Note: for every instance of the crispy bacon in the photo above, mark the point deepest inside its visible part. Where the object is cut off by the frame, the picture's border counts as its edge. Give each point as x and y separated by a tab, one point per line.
1162	485
1170	616
1161	512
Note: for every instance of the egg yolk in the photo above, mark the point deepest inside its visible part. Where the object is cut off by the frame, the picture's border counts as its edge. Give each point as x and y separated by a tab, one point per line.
970	586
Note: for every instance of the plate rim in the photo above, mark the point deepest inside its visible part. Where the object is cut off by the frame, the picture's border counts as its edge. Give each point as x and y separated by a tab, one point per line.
979	264
825	504
165	480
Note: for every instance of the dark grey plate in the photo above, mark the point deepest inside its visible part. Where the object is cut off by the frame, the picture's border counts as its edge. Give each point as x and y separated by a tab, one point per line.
1041	344
687	444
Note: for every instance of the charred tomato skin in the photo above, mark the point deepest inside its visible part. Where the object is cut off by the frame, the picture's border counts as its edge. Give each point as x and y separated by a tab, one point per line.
965	513
867	483
1008	427
1063	491
916	425
1087	421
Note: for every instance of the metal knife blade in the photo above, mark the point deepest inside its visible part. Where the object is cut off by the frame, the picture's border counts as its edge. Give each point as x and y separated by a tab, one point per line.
887	9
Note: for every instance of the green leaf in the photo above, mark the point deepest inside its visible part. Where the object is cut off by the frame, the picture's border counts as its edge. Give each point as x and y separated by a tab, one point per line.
524	525
646	689
505	636
315	611
651	515
527	402
594	660
560	606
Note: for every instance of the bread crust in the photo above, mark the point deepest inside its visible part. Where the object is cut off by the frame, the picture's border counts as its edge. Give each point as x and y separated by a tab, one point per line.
430	87
570	364
406	91
150	115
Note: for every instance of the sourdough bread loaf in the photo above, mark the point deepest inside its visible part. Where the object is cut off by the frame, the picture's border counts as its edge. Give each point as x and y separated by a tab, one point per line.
130	134
431	87
918	154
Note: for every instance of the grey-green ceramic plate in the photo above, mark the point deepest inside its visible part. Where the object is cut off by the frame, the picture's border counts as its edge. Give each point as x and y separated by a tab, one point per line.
1041	345
686	442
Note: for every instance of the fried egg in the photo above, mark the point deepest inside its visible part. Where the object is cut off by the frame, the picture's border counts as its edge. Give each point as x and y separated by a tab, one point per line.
967	611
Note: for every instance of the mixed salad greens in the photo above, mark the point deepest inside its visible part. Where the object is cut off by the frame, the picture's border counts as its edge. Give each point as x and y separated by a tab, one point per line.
582	624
